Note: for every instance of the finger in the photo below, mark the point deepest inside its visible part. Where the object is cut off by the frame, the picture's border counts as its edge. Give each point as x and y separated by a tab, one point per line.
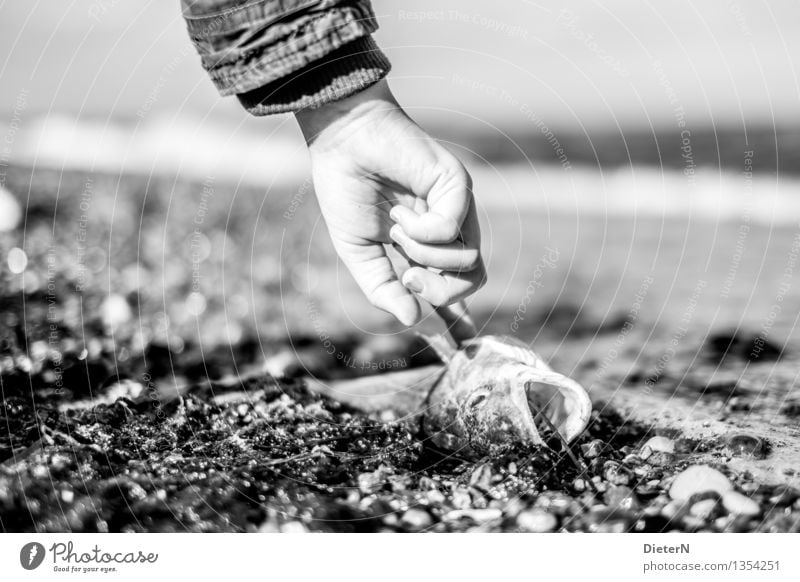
375	275
445	287
448	201
455	256
458	320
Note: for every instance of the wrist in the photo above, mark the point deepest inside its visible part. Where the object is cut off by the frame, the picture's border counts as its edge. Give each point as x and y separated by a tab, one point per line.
344	112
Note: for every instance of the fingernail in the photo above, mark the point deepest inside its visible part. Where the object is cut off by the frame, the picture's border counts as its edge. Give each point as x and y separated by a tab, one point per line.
393	234
393	213
414	285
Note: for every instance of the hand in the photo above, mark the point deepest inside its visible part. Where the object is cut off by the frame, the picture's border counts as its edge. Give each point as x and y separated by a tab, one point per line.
380	179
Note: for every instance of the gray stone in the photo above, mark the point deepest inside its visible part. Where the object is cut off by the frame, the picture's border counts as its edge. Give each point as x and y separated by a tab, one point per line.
704	509
699	479
621	497
657	444
536	521
738	504
417	519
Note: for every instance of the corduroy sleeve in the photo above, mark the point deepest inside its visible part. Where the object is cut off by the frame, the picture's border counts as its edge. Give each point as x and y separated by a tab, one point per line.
286	55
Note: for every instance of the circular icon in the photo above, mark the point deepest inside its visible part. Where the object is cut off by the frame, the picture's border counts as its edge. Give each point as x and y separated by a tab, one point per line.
31	555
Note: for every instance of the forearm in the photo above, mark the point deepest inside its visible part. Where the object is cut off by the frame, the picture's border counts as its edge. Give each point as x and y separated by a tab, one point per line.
286	55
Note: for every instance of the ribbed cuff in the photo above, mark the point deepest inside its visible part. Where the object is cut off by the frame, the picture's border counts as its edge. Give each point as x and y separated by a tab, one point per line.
341	73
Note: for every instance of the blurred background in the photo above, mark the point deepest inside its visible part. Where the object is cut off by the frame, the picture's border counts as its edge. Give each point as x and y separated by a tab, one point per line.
632	162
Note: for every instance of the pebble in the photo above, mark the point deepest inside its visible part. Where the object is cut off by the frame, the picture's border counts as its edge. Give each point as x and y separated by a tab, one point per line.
704	509
17	260
434	497
536	521
115	311
692	522
616	474
417	519
461	498
698	479
739	504
481	478
555	502
784	495
661	459
673	510
373	481
476	515
293	527
10	212
593	448
607	521
657	444
621	497
746	445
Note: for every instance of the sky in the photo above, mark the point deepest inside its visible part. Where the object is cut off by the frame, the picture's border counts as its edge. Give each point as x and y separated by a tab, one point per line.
574	64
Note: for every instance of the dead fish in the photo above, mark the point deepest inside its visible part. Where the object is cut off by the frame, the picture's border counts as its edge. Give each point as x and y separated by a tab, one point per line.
492	390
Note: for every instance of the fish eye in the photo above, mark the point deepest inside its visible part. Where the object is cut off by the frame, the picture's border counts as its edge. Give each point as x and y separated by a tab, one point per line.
479	399
471	351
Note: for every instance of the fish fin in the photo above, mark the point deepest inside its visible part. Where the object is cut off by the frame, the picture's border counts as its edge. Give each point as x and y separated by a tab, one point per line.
441	345
403	391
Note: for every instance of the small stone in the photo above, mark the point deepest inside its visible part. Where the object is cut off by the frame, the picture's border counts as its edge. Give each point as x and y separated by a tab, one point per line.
476	515
373	481
674	510
698	479
779	523
621	497
293	527
661	459
536	521
555	502
579	485
417	519
632	460
617	474
115	311
746	445
593	448
657	444
704	509
692	522
607	521
481	478
461	498
67	496
784	495
10	211
739	504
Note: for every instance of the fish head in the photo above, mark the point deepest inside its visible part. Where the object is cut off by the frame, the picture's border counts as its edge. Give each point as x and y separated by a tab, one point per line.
497	392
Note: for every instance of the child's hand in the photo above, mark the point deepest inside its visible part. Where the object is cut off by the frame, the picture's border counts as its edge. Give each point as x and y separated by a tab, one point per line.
380	179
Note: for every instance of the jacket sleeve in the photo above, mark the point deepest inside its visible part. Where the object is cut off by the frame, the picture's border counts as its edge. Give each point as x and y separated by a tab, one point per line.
285	55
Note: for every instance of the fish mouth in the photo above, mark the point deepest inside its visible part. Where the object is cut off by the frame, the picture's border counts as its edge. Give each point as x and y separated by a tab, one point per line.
550	400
